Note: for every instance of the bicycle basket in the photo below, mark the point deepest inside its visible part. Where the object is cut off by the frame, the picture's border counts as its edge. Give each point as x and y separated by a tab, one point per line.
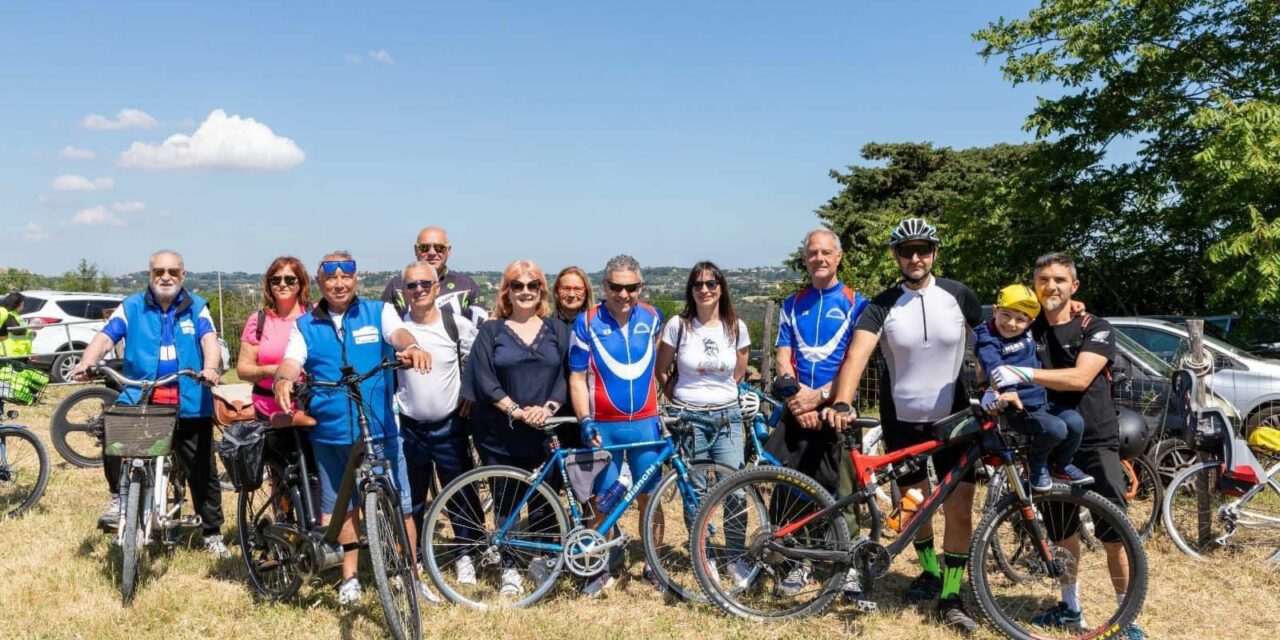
242	448
21	384
138	431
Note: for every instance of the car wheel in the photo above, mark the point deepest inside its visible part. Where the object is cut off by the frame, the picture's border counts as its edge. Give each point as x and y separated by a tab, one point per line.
1268	415
62	366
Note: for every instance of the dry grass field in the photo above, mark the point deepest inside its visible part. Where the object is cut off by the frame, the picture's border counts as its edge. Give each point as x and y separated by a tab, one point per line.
56	581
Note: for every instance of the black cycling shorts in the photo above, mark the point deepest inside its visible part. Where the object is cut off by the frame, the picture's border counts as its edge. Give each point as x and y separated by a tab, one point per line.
900	435
1108	482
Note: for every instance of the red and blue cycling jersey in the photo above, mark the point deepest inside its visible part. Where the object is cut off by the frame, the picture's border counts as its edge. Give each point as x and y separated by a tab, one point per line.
817	326
618	361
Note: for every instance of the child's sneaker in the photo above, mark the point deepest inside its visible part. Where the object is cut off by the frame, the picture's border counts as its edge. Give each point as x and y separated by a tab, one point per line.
1073	476
1039	472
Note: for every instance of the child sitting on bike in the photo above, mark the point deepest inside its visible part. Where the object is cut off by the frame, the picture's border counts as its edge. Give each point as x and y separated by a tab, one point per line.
1055	431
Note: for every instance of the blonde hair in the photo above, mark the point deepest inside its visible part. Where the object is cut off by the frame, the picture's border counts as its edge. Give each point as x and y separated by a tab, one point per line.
502	309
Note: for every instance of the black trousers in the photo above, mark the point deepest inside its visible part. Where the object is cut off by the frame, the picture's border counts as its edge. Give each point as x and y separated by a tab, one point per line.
193	452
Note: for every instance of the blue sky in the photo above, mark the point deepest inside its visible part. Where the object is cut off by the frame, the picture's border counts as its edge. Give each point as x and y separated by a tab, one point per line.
561	132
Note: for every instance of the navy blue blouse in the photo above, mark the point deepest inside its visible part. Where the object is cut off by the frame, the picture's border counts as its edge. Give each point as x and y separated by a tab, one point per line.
501	365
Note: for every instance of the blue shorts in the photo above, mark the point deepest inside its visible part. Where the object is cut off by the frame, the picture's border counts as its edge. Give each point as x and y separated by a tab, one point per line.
331	463
638	459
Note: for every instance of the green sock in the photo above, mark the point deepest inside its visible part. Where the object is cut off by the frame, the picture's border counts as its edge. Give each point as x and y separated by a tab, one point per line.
927	556
954	575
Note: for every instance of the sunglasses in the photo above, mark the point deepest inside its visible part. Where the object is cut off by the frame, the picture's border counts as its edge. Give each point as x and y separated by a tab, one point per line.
288	280
629	288
518	286
174	272
423	247
330	267
419	284
912	251
710	285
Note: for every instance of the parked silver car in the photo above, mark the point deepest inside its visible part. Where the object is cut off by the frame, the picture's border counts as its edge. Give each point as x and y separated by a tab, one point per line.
1250	384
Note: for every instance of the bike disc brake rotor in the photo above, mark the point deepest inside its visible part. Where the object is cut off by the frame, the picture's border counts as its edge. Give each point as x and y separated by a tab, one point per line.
585	553
871	558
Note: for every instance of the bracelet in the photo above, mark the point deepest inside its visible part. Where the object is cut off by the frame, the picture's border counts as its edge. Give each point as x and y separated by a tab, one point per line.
512	409
279	378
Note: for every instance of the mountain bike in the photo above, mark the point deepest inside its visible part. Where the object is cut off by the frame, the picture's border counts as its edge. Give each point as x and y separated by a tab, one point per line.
24	463
1228	505
282	540
805	528
151	485
523	538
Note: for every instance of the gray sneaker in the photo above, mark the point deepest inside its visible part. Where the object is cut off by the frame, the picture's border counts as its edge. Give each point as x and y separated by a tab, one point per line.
110	520
795	581
215	547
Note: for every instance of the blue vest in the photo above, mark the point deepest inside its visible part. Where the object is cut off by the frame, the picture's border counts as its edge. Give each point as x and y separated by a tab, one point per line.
362	348
144	321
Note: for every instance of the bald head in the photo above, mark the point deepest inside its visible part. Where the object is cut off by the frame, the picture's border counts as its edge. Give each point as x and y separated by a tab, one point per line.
433	247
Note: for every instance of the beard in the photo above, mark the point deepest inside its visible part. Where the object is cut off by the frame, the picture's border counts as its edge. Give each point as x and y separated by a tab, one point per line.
924	275
1054	303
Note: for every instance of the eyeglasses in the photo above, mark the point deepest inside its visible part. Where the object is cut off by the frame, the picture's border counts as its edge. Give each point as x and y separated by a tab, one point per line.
419	284
330	267
174	272
288	280
710	285
423	247
629	288
533	286
573	290
909	252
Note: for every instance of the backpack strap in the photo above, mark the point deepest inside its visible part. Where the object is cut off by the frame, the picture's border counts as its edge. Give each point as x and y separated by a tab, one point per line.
451	328
262	321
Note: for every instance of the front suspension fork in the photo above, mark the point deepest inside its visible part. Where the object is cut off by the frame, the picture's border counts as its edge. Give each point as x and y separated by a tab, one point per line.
1031	518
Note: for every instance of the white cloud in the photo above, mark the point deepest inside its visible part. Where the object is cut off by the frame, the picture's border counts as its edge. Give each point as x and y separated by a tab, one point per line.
34	233
72	182
353	58
76	154
129	207
381	55
96	217
221	142
125	119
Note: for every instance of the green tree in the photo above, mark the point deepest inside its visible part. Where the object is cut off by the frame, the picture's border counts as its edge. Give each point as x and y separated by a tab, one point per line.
20	280
85	277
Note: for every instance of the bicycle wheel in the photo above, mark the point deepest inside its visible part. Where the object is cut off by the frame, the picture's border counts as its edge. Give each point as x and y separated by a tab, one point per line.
778	586
1014	605
76	425
459	531
24	470
1203	520
1145	494
667	521
132	543
394	569
1171	457
272	566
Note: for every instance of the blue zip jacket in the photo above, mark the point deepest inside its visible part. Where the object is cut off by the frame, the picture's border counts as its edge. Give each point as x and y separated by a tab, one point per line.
994	350
146	325
361	346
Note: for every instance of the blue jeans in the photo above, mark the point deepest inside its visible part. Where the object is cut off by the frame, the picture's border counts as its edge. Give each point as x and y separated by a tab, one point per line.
1055	433
723	441
436	449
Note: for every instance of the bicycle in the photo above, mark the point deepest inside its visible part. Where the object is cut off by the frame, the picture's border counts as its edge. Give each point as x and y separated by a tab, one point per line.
805	528
282	540
24	463
151	485
525	527
1226	505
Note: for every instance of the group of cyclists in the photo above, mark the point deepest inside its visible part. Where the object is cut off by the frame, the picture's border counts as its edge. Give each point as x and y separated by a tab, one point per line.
487	378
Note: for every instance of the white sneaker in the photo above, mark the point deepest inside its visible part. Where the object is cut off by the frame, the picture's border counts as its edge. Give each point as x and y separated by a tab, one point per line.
349	592
466	571
740	573
511	583
427	594
215	547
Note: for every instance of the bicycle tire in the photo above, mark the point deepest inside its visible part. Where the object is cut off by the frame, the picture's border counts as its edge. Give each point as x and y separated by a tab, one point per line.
442	546
394	571
66	423
131	542
799	494
1012	615
1181	499
1147	499
273	570
15	468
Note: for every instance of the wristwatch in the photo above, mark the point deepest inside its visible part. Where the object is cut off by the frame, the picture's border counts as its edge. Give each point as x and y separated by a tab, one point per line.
826	393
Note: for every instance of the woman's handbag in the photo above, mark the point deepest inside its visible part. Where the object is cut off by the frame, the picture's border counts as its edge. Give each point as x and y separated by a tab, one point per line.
232	403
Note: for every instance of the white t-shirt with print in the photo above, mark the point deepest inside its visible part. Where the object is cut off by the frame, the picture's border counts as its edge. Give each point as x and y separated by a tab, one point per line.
432	396
705	361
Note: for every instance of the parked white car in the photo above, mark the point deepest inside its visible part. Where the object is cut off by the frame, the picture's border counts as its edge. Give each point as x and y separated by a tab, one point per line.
65	324
1249	383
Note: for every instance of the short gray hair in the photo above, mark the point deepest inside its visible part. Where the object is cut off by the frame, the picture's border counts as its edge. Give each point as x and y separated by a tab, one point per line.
622	262
166	252
1058	258
826	232
419	264
340	254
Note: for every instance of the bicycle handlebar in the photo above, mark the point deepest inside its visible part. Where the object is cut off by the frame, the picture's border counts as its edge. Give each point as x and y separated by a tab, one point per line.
101	371
352	378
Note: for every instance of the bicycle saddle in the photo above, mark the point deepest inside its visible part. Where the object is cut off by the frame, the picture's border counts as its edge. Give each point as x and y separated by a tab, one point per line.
286	420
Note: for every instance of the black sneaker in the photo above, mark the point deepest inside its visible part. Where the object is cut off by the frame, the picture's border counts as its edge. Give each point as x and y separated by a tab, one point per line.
924	588
952	614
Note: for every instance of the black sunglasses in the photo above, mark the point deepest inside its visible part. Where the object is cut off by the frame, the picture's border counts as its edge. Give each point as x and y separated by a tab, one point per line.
419	284
174	272
908	252
532	285
629	288
423	247
706	284
288	280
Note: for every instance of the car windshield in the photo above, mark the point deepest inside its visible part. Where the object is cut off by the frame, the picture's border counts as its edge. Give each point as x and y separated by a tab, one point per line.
1234	340
1138	352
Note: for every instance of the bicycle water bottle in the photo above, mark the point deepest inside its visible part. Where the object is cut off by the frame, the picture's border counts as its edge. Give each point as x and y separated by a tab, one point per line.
611	496
910	503
762	430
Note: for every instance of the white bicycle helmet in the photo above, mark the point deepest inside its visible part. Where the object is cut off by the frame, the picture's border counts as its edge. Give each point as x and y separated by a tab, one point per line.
749	405
914	229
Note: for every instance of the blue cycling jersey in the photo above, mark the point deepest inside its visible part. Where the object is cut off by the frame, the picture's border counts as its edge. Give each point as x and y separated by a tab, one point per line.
817	325
618	361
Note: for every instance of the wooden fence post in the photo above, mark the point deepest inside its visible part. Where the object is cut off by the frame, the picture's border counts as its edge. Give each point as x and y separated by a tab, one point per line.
766	346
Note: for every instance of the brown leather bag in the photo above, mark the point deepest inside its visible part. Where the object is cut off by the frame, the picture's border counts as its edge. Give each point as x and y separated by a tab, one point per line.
233	403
